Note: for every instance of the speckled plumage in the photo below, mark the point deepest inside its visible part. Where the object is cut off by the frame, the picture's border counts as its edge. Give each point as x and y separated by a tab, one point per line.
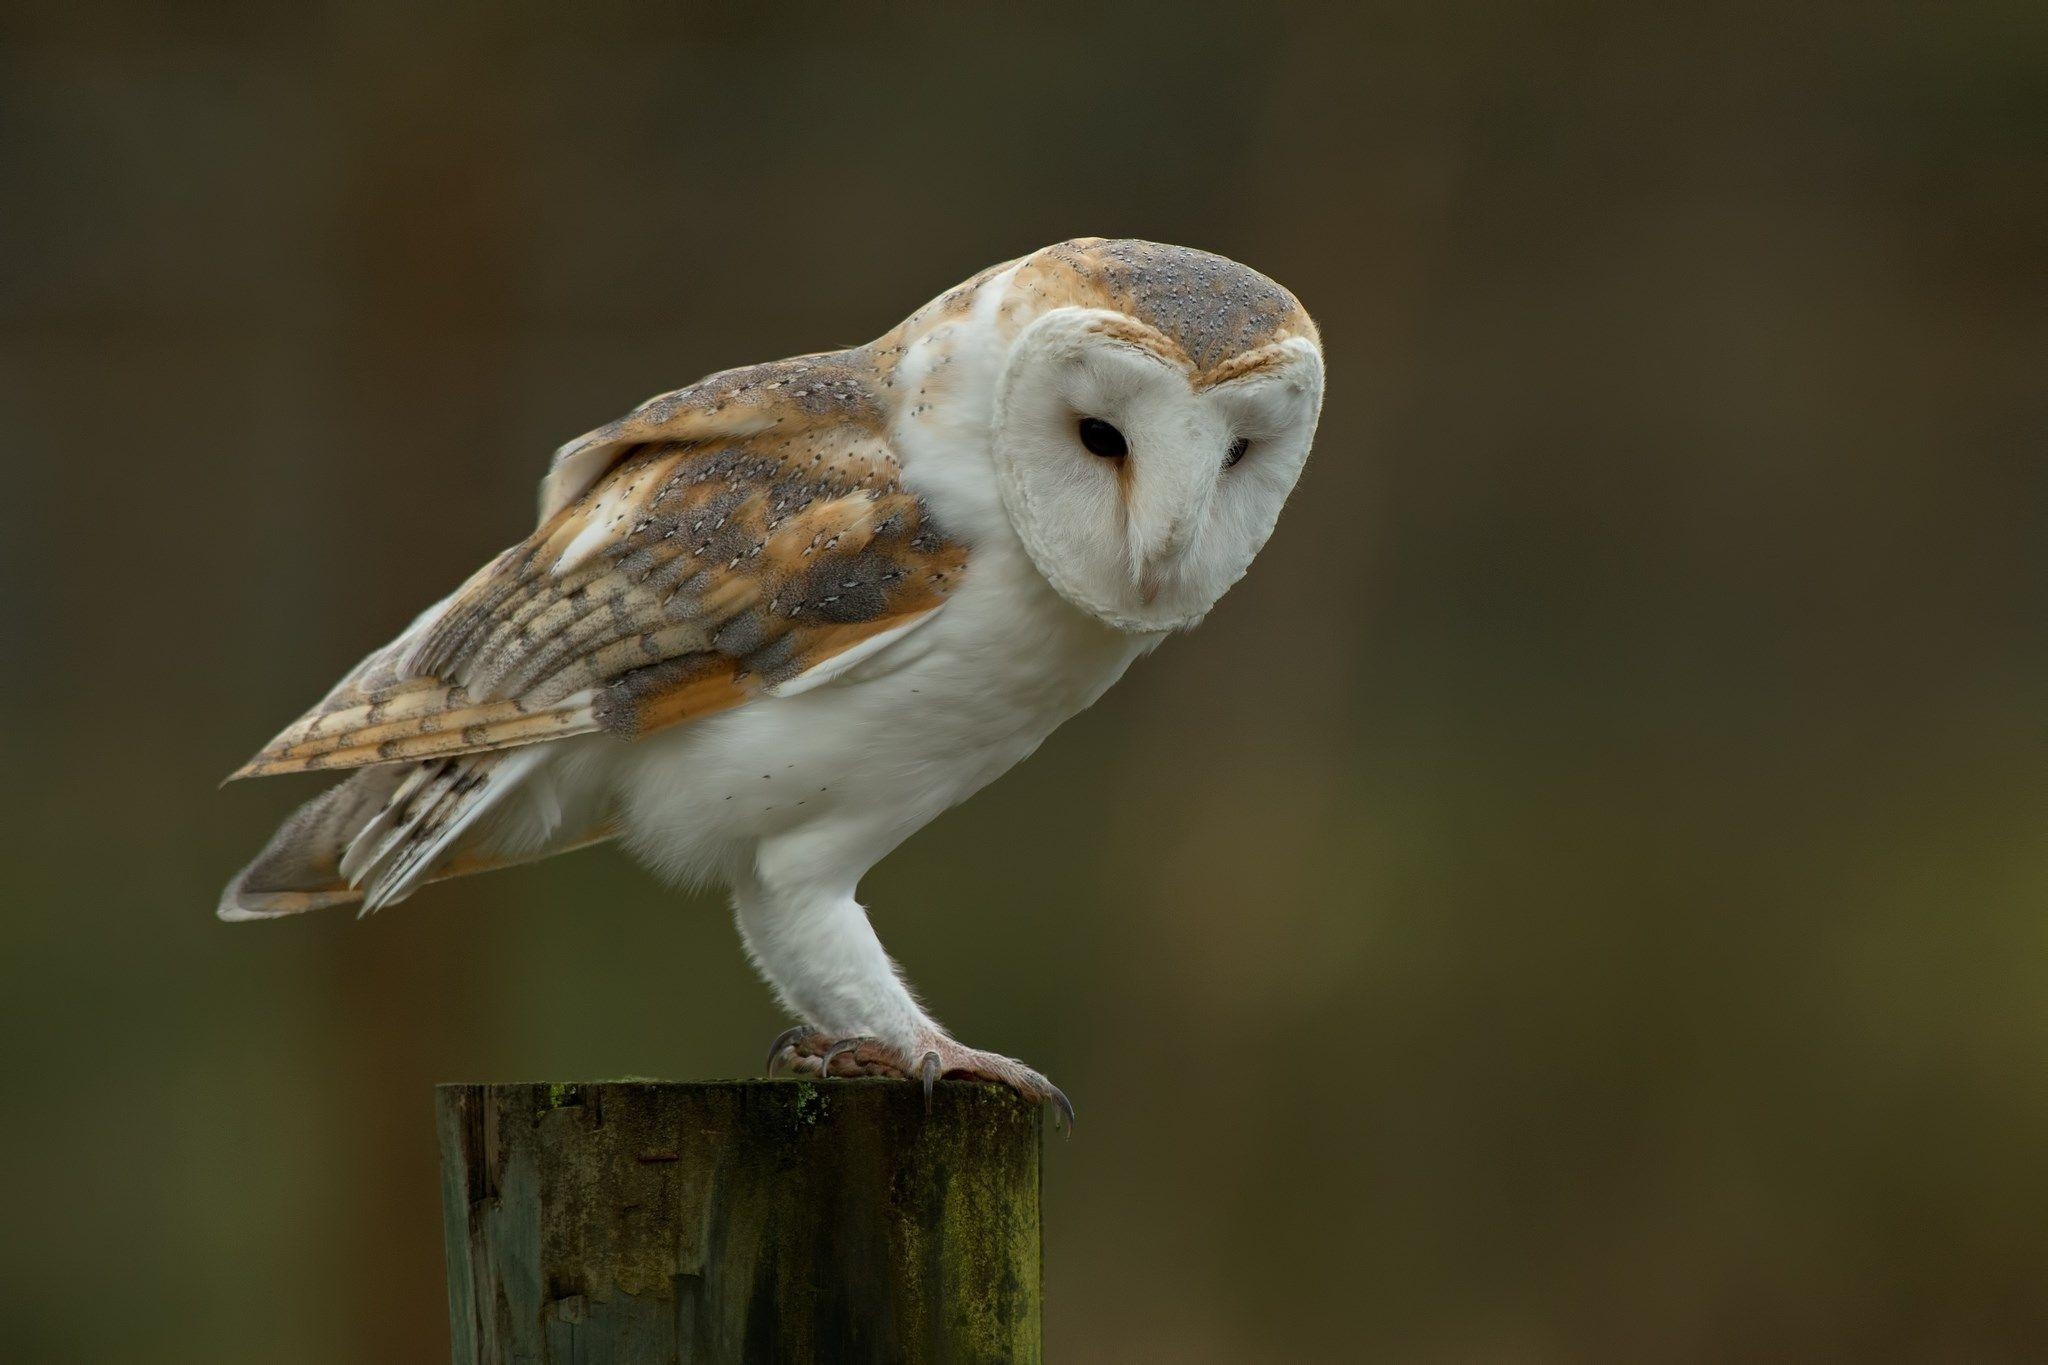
743	575
705	569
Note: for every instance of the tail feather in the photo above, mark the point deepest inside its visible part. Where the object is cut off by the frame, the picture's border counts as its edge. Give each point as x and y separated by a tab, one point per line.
452	803
381	833
300	868
384	832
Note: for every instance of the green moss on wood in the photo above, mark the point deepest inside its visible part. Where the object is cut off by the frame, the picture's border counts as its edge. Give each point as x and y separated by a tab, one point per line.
810	1102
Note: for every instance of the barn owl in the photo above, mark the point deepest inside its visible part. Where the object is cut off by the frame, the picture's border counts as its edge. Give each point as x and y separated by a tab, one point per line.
771	624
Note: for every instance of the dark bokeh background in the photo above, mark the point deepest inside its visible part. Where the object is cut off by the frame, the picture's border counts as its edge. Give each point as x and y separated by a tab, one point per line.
1580	898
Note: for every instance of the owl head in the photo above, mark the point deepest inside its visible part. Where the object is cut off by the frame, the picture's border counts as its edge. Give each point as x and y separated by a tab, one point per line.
1152	414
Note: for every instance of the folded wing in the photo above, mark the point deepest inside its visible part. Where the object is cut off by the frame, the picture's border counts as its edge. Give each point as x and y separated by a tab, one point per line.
688	578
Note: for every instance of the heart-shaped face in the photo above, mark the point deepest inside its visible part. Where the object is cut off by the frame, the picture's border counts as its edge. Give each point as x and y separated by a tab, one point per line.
1141	489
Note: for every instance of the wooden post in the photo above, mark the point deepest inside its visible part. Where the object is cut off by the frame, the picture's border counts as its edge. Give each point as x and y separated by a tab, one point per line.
629	1221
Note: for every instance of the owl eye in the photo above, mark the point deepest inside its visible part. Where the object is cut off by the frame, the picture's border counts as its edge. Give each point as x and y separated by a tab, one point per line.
1236	451
1100	438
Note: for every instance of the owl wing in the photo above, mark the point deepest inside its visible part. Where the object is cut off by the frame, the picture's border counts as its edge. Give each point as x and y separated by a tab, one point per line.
737	539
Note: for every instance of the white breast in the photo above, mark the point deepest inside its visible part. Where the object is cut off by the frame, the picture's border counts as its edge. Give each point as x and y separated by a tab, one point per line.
863	761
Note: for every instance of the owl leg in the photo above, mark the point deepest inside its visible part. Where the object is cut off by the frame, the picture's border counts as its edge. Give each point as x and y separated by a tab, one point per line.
816	948
812	942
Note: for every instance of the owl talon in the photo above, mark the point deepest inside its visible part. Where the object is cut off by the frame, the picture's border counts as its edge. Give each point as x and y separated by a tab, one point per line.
784	1041
1063	1106
928	1073
842	1046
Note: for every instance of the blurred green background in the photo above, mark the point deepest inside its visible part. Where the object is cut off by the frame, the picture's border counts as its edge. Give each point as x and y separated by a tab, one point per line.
1580	898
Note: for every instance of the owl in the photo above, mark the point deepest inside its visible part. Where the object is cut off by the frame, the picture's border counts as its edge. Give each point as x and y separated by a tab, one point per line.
771	624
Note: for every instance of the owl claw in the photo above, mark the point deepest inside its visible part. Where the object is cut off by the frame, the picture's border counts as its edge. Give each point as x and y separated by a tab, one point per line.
784	1041
951	1059
928	1073
842	1046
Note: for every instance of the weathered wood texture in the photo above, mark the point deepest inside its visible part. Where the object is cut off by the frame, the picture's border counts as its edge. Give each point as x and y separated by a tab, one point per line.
790	1220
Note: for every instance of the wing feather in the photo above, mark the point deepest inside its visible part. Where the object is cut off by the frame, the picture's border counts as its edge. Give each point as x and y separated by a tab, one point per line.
698	566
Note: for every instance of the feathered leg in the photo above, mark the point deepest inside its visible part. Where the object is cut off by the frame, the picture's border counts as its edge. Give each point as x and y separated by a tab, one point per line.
816	948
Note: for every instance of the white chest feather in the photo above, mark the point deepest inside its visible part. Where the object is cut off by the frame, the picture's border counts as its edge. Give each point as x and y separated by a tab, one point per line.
862	761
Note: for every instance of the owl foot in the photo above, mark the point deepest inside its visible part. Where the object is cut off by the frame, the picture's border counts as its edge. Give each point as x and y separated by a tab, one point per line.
807	1052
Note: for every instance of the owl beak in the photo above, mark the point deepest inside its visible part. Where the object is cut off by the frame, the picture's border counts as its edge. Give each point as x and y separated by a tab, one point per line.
1182	503
1153	567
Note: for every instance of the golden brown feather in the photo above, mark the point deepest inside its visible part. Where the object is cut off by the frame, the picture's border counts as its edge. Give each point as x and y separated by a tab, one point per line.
688	577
